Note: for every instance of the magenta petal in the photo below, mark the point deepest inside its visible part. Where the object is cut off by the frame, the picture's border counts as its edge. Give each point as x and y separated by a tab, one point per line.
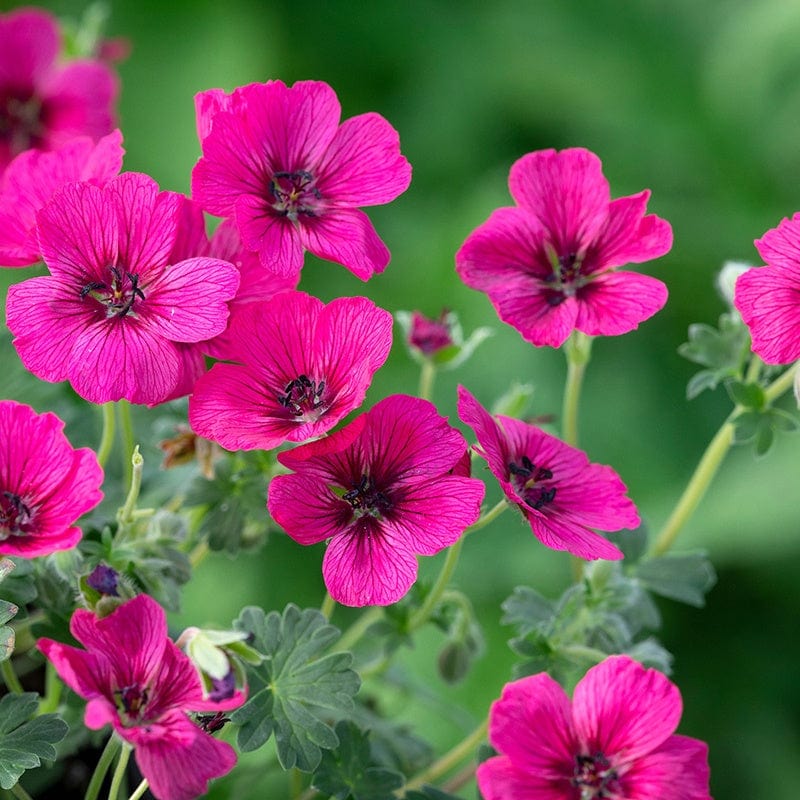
116	359
557	533
531	725
677	770
499	779
767	298
81	671
374	569
348	238
180	767
206	105
307	514
278	243
780	247
566	190
363	165
189	303
624	709
434	514
616	302
29	42
629	236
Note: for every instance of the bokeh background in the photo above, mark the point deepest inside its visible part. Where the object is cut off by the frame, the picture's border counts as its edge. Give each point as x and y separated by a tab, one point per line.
698	101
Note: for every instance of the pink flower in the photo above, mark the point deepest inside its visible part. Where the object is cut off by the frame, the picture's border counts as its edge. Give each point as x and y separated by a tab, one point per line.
277	161
385	488
767	297
559	492
110	316
45	483
615	740
32	179
302	367
430	335
140	683
43	102
548	264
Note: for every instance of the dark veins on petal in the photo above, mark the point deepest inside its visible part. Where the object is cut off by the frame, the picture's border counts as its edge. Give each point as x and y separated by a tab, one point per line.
294	193
530	483
118	296
303	396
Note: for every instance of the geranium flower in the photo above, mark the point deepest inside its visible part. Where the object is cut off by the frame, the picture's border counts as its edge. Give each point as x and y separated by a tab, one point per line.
45	483
302	367
43	101
560	493
276	160
140	683
615	740
767	297
385	488
32	179
549	263
110	315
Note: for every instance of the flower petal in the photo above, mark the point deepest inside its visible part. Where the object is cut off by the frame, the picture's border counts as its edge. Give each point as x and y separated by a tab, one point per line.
499	779
677	770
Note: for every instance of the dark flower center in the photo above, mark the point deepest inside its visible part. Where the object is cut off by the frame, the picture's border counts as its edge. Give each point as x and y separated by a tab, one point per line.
530	483
20	121
303	396
566	277
294	193
596	778
131	702
366	498
118	296
16	516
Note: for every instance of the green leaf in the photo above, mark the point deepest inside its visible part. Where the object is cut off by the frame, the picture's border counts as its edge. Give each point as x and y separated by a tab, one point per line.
686	578
429	793
749	395
24	742
527	609
632	543
348	771
296	690
7	639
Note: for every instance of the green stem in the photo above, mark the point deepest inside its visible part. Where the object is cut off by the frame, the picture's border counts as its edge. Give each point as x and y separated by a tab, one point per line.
140	790
422	614
295	783
328	605
451	759
106	757
359	628
427	377
137	465
583	652
10	677
52	690
708	466
198	554
490	516
119	771
126	427
578	350
107	437
18	790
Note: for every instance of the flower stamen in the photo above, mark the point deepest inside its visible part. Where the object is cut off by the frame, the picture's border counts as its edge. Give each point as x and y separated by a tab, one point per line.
365	499
302	396
294	194
596	778
527	478
16	515
116	296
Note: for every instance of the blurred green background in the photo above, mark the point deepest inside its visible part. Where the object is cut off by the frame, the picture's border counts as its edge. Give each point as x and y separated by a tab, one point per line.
697	100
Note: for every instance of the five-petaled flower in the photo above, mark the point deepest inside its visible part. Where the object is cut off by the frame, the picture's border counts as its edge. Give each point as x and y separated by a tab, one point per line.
614	740
137	680
561	494
44	102
45	483
549	263
111	315
277	161
303	366
390	485
768	298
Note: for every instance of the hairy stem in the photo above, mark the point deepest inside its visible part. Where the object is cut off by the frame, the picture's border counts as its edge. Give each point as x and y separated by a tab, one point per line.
52	690
10	677
328	606
18	790
137	465
427	378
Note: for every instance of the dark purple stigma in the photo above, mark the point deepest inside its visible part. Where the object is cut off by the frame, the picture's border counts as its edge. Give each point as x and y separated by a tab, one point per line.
133	699
211	723
302	396
527	479
119	296
595	777
365	498
16	516
295	193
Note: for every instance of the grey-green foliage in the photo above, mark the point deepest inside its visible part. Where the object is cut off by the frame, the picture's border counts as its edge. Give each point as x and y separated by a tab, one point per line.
25	739
298	688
